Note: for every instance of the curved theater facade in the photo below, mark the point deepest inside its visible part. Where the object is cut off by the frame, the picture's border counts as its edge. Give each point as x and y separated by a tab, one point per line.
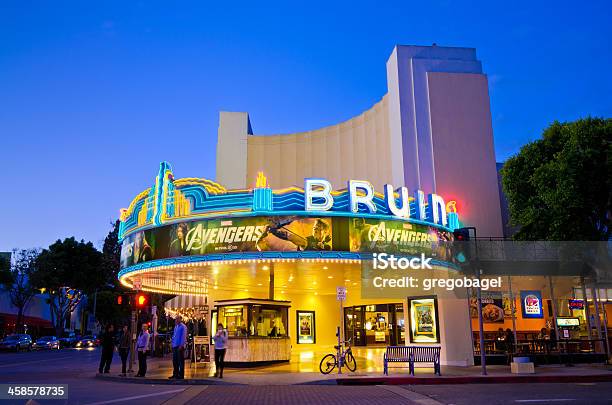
275	258
272	256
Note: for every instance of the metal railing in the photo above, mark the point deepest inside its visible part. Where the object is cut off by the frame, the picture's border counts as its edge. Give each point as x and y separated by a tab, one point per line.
542	347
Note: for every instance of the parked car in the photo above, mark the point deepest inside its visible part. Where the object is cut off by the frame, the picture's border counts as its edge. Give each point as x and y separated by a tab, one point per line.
46	342
88	341
69	341
17	342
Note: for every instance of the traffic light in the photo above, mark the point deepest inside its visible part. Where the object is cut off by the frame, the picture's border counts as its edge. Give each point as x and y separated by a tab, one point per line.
142	300
462	234
461	245
123	299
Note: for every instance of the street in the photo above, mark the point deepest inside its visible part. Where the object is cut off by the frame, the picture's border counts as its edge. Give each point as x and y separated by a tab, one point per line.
77	369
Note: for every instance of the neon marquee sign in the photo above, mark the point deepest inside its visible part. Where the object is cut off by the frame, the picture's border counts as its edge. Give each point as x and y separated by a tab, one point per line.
172	200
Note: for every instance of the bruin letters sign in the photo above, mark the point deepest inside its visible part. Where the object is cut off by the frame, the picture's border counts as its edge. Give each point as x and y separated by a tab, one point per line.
318	197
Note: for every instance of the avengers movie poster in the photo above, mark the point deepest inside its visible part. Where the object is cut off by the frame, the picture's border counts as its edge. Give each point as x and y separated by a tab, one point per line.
398	237
227	236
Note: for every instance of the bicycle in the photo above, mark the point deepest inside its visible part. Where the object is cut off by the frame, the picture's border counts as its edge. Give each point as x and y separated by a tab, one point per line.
345	358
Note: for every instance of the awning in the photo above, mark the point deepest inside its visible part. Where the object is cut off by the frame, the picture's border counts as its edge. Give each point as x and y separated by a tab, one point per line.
188	306
185	301
11	319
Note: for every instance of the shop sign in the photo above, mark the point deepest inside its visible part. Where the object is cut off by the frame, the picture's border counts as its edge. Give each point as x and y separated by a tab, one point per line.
568	322
531	304
492	307
576	304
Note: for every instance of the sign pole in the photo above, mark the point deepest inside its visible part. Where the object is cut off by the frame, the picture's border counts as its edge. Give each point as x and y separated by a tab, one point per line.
340	296
132	340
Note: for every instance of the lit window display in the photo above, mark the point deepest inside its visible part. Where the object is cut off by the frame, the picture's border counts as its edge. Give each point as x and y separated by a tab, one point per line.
253	320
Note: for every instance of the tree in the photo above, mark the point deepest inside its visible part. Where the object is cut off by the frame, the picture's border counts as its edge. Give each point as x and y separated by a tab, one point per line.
5	267
107	310
560	187
111	252
17	280
69	269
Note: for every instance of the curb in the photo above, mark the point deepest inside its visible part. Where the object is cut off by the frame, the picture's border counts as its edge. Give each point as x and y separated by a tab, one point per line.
474	380
164	381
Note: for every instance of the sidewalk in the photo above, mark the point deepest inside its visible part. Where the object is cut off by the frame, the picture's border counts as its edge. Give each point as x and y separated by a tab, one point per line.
160	369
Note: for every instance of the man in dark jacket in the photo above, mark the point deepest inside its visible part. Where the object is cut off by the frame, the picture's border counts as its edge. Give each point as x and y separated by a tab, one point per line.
125	341
108	346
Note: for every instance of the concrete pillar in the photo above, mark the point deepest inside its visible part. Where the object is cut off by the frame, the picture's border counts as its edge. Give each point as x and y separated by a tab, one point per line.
455	335
234	127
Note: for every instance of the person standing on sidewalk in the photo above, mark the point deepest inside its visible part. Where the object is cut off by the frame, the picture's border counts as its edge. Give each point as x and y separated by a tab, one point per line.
179	339
124	348
220	348
108	346
142	347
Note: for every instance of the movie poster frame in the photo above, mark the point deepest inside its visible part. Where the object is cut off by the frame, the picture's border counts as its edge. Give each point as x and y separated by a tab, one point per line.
313	326
413	338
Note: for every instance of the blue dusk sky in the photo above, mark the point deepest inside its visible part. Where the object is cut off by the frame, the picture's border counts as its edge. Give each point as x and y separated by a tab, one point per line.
93	95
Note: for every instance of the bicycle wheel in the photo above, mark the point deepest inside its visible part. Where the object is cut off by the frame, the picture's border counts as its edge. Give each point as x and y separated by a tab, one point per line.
350	362
328	363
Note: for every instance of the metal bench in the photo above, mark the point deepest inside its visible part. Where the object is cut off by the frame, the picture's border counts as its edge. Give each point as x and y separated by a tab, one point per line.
411	355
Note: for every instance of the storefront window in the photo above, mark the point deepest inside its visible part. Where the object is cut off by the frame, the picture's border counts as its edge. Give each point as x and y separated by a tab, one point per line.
254	320
381	324
268	321
234	319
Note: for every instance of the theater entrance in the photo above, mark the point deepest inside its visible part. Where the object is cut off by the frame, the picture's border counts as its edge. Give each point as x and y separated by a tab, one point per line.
375	325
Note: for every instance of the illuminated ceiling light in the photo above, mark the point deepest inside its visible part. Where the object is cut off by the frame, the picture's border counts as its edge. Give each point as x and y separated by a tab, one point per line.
324	267
330	276
354	283
215	287
265	267
282	292
347	280
190	277
245	290
316	293
314	282
216	271
259	284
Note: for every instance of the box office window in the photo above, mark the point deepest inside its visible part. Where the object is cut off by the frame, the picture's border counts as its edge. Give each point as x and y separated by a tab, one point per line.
268	321
253	320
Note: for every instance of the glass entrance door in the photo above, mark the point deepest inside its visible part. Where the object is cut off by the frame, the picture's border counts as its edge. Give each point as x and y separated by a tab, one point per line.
354	325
